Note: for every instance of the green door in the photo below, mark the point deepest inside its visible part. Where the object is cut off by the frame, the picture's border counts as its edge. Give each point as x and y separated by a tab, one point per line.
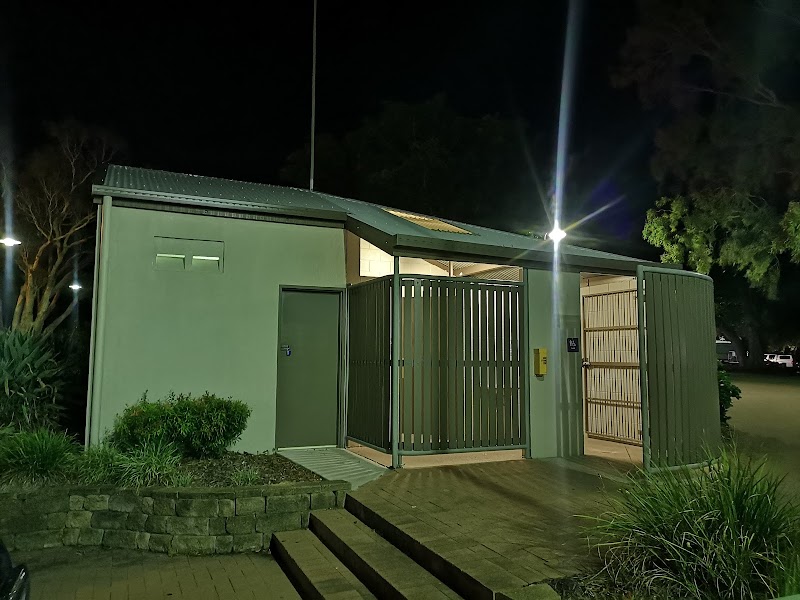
308	369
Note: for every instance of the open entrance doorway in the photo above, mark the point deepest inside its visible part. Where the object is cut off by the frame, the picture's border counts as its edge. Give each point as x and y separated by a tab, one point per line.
612	405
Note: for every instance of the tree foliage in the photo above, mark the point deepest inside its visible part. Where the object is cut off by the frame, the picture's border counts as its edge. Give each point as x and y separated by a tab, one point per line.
727	157
54	214
424	157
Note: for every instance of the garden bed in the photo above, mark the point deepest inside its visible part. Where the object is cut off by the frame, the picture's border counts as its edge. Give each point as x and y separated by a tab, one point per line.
596	586
234	468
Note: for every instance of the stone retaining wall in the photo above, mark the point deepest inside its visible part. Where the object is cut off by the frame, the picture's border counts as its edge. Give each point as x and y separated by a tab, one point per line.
171	520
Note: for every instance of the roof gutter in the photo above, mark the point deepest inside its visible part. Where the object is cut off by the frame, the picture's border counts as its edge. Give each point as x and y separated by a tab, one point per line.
431	248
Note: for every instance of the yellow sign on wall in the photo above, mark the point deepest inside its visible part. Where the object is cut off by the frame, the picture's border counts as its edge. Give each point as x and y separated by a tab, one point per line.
540	361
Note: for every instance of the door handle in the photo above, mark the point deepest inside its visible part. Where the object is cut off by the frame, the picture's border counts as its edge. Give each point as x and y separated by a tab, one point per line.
287	349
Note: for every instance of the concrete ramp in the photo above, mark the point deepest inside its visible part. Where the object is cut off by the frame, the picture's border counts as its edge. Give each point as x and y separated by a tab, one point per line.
336	463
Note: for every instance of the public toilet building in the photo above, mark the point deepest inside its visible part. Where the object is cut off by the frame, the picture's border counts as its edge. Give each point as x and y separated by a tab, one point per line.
340	321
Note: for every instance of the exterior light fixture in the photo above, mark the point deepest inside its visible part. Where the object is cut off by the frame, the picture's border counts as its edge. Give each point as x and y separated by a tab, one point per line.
9	242
557	234
75	286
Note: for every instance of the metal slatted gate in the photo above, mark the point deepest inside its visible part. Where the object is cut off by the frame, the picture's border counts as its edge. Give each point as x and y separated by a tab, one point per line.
678	362
369	363
613	407
461	356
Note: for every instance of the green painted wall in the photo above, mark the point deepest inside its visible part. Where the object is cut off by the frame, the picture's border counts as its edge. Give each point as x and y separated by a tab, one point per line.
192	331
556	399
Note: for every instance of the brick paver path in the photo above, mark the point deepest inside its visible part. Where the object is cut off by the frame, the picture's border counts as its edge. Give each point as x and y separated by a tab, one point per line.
518	518
103	574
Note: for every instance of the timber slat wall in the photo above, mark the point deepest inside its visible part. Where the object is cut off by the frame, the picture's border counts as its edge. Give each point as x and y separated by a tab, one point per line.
611	376
461	365
681	383
369	382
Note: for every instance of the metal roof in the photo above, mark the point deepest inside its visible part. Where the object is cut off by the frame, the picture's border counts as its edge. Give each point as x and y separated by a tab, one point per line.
372	222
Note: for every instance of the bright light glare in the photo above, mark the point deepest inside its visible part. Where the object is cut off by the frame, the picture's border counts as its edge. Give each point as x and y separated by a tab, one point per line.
557	234
75	286
9	241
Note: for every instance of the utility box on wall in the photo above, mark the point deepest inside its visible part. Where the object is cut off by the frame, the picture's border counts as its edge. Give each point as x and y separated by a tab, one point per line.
540	361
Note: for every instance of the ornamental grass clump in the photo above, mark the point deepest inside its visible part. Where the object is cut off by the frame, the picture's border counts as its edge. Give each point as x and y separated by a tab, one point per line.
40	457
99	465
723	531
153	463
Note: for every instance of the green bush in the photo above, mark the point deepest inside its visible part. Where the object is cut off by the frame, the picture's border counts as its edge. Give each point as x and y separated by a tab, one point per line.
30	382
99	464
727	392
199	426
154	462
724	531
37	457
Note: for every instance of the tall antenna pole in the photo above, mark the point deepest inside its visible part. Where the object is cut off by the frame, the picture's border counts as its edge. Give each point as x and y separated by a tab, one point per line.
313	93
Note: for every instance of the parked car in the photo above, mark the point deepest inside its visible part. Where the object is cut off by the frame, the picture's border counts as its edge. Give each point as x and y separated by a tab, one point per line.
14	581
785	360
769	358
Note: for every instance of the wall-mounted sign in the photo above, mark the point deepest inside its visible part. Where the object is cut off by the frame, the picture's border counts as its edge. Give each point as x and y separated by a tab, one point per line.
572	345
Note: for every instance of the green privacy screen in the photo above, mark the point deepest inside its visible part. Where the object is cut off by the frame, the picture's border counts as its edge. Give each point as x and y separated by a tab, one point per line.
370	363
678	365
460	380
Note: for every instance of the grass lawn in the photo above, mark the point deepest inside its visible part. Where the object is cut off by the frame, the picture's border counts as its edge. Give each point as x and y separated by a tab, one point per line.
766	421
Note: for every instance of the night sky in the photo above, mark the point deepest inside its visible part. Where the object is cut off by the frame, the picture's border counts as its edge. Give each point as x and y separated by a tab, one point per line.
226	92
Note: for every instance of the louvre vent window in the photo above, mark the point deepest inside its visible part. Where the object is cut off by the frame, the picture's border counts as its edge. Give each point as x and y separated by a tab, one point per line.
205	263
170	262
180	254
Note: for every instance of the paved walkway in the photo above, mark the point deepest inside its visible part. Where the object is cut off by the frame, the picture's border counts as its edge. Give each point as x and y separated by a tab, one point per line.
515	520
102	574
336	463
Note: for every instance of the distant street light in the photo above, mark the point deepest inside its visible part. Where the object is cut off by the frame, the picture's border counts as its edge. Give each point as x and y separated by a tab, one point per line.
9	242
75	286
557	234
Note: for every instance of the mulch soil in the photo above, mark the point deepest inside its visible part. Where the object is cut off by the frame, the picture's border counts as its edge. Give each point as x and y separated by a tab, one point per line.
271	468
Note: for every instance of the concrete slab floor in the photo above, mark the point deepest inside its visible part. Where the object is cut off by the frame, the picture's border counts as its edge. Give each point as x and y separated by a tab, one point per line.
613	451
437	460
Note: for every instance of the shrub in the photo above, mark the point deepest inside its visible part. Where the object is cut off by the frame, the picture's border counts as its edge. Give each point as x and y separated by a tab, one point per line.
720	532
155	462
727	392
199	426
37	457
99	464
30	381
245	476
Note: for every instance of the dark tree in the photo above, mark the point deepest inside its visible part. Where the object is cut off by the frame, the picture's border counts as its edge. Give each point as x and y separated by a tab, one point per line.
426	158
54	218
727	159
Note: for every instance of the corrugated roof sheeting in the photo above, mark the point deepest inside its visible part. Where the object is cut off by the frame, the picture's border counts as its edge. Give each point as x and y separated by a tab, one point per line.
372	222
195	186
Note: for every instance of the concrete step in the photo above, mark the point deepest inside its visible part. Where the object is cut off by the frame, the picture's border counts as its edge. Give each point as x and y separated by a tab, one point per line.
462	570
384	569
313	569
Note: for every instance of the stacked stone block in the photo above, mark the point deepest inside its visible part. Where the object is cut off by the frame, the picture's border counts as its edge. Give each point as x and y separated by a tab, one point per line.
170	520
